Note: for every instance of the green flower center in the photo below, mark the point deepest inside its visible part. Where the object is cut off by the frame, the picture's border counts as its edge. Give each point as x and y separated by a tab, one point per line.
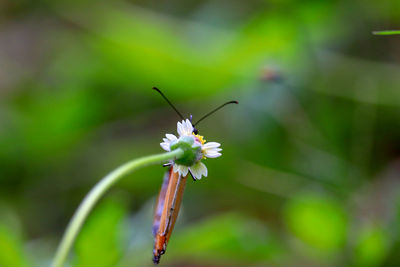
191	154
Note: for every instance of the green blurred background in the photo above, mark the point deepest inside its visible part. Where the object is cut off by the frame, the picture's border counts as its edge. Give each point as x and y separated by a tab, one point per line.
311	163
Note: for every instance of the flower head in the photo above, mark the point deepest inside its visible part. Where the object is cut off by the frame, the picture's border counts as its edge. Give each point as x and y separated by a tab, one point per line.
195	149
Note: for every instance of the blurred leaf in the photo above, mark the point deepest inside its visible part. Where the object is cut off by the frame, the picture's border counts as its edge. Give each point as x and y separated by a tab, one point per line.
318	221
11	248
371	246
97	244
391	32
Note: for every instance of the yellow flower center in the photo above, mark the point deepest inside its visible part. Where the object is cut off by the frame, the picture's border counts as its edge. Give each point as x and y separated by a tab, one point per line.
200	138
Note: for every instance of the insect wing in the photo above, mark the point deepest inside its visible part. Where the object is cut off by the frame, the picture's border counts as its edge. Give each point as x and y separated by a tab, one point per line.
168	203
160	203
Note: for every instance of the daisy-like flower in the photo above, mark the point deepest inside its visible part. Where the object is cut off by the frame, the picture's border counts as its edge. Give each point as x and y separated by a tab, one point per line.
195	149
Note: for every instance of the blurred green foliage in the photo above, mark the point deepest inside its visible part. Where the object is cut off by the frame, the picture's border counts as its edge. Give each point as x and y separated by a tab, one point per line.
310	166
11	248
12	251
372	246
318	221
390	32
99	237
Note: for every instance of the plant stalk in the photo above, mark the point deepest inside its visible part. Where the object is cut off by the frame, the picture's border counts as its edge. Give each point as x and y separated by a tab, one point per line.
96	193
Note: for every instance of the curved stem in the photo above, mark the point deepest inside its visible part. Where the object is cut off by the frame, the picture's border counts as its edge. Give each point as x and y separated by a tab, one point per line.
96	193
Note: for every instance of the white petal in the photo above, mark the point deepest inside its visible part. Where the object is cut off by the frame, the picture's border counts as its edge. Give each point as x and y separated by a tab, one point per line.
198	170
211	150
195	172
165	146
182	170
211	145
205	171
184	128
212	155
179	128
189	127
171	137
167	142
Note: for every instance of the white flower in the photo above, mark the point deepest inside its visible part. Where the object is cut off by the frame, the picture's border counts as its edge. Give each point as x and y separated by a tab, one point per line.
208	150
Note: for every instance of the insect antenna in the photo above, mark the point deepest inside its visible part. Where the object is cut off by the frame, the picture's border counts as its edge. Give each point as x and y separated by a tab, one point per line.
169	102
213	111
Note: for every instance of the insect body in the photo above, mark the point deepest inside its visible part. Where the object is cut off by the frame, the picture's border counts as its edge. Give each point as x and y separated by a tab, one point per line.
167	209
170	196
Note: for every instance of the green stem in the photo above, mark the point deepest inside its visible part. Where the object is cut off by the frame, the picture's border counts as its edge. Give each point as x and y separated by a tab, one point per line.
96	193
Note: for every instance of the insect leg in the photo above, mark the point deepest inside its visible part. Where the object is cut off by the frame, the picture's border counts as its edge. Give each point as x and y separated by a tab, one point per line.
191	174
